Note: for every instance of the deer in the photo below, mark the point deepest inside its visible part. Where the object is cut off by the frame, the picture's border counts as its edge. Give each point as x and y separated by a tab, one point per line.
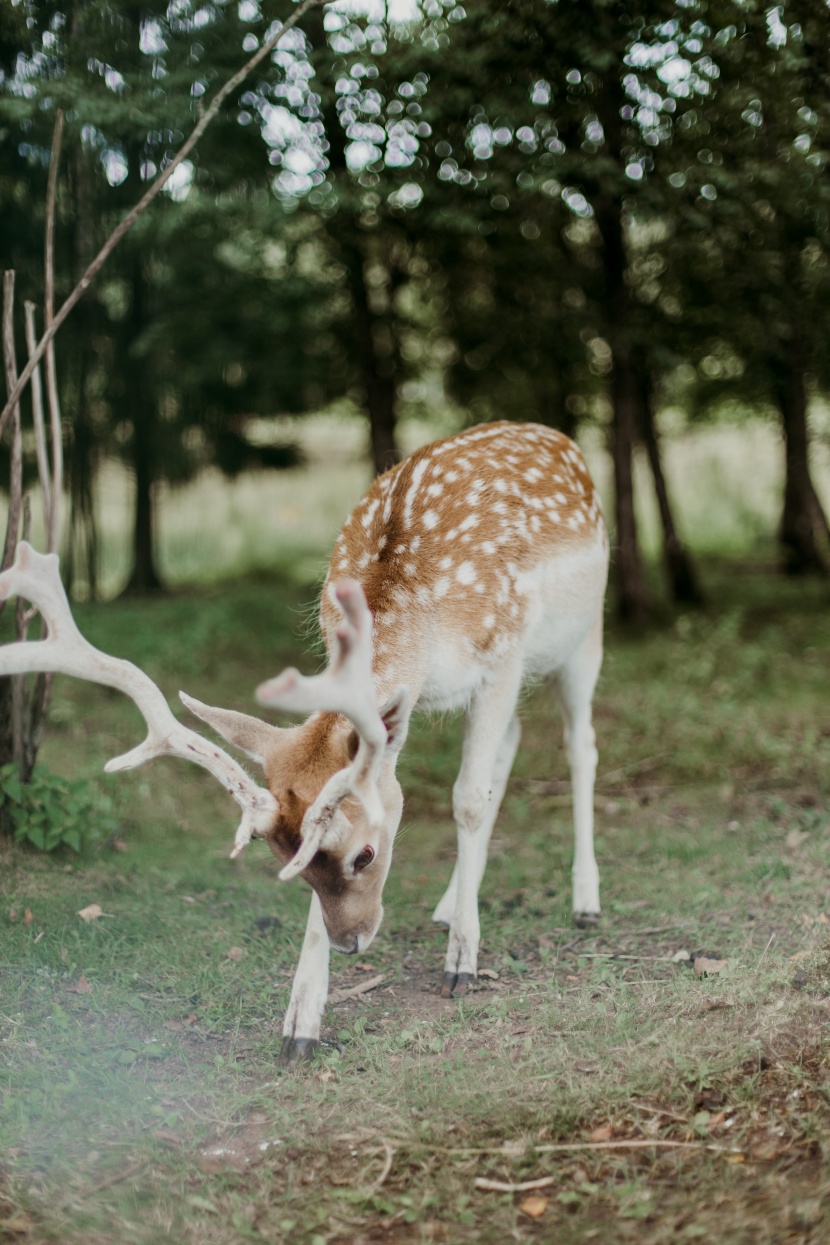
474	566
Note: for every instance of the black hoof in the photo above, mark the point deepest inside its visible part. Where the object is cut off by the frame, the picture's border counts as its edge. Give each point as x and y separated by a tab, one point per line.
456	985
298	1050
586	920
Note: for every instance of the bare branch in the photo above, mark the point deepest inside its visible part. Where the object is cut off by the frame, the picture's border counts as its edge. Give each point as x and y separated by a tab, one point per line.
53	530
132	216
10	368
37	417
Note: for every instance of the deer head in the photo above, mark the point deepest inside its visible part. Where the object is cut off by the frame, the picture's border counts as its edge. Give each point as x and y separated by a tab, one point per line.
333	804
338	799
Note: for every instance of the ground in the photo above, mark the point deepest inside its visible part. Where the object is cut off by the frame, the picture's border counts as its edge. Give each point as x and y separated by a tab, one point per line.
141	1098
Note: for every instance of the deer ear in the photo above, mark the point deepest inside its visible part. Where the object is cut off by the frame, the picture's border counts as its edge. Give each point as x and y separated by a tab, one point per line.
252	736
395	715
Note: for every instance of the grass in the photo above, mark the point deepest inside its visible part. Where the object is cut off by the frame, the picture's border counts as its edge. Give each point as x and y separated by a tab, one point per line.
140	1095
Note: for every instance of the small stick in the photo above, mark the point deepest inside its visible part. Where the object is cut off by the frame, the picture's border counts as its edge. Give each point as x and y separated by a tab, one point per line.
503	1186
337	996
772	938
53	401
625	1145
387	1167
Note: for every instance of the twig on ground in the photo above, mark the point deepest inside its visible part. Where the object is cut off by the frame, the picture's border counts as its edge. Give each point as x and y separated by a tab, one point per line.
772	938
504	1186
337	996
385	1170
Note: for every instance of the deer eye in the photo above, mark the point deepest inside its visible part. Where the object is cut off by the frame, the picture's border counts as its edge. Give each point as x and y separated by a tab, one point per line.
362	859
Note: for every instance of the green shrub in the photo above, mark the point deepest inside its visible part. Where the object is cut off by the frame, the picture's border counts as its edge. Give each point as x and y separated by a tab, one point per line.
50	811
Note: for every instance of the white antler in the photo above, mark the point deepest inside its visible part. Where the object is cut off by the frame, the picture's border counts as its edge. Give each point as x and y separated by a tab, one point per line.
36	578
345	686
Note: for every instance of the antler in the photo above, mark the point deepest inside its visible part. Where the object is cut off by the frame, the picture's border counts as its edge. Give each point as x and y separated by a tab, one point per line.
345	686
36	578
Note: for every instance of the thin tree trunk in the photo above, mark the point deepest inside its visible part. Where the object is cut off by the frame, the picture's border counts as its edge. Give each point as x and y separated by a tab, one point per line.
804	526
632	594
680	571
378	368
140	403
626	396
83	530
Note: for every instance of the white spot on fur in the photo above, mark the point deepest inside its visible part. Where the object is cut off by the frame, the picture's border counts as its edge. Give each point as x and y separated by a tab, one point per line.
466	573
442	586
429	520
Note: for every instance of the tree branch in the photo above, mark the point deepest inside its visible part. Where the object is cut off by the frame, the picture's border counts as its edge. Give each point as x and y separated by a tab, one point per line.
53	401
132	216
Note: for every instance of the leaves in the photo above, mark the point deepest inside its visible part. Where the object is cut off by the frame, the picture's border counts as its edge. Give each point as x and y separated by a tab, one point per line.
92	912
705	967
533	1206
50	812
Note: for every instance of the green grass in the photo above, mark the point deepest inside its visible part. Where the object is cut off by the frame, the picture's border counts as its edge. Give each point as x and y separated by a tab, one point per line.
141	1099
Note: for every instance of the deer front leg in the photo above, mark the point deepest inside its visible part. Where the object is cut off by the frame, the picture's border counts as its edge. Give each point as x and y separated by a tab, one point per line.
445	908
476	797
301	1030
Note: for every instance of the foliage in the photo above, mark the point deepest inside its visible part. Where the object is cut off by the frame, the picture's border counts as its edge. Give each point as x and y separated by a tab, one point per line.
49	811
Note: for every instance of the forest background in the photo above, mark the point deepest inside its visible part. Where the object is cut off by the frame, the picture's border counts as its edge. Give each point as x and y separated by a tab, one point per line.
609	218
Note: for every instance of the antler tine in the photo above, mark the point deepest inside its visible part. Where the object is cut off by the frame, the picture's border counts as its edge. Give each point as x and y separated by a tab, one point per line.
36	577
346	687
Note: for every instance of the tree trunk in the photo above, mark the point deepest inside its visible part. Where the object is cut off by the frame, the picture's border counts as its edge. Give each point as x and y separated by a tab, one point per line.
140	403
804	525
680	571
375	337
632	594
82	554
626	395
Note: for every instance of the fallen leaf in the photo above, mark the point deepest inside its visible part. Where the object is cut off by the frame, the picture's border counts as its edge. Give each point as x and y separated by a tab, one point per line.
120	845
717	1119
533	1206
235	953
704	967
680	957
92	913
27	917
737	1157
19	1225
12	914
604	1133
81	986
164	1134
366	968
794	839
183	1023
489	973
570	977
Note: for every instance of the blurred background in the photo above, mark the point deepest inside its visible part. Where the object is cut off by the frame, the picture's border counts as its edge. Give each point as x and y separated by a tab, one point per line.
413	216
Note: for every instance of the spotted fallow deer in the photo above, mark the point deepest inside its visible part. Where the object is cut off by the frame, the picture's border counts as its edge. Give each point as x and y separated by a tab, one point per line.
478	563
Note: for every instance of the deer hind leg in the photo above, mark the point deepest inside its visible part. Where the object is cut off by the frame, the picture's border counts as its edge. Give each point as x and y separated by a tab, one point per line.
445	908
475	807
301	1030
576	683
